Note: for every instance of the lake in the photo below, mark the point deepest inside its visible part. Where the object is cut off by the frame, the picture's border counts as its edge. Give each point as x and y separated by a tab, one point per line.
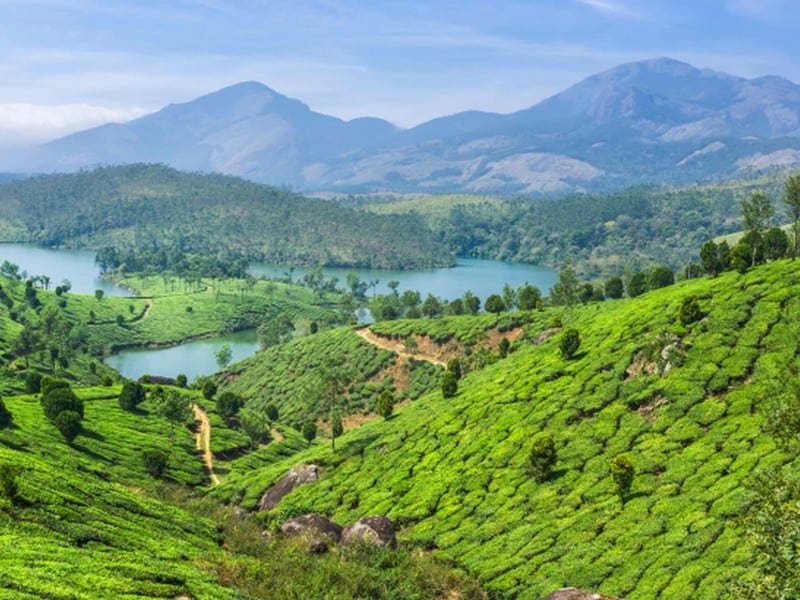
481	277
192	358
76	265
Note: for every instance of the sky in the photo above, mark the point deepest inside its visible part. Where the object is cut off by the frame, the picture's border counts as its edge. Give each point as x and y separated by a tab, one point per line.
71	64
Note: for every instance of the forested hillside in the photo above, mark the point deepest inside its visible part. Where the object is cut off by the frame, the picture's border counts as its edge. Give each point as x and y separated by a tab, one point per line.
600	234
156	209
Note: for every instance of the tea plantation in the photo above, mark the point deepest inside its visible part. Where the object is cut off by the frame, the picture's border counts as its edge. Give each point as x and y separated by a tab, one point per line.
686	402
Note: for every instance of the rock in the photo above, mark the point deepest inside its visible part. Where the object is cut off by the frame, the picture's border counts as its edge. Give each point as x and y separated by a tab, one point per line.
313	526
298	476
545	335
377	530
576	594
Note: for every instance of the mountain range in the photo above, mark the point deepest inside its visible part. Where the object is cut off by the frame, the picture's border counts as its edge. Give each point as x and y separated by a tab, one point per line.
654	121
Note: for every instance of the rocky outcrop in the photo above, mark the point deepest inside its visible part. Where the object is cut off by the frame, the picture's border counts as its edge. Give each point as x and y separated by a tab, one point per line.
299	475
317	530
377	530
576	594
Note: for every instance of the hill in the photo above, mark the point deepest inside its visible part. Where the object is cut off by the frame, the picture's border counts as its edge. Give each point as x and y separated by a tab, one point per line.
158	210
652	121
687	402
601	234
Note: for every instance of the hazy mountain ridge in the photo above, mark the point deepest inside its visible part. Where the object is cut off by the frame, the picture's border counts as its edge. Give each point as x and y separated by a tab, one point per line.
659	121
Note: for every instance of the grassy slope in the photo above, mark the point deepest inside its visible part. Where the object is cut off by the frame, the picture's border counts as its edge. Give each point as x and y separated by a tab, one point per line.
454	473
83	529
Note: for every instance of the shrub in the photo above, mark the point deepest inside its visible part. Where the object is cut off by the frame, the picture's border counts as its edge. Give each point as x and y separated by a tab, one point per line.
61	399
108	381
33	383
690	310
309	430
253	424
313	328
385	404
8	481
449	384
228	404
5	415
503	347
68	423
622	472
49	383
494	304
570	342
272	412
181	380
542	456
155	462
131	396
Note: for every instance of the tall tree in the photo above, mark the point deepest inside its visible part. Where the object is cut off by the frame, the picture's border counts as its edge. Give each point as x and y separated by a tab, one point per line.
756	214
791	198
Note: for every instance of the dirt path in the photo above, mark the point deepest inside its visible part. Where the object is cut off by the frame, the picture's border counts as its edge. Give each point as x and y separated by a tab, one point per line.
203	438
149	307
394	346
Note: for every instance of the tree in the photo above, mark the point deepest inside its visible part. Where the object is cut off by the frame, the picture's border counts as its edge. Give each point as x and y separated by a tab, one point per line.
155	462
565	292
174	407
772	526
98	294
723	256
449	384
33	382
337	429
68	422
542	456
622	472
690	310
791	197
272	412
510	297
431	307
209	389
385	404
570	342
181	380
454	366
472	302
741	256
529	297
131	396
309	431
223	355
5	415
636	285
776	243
228	404
494	304
709	259
60	399
585	293
253	423
756	213
613	288
659	276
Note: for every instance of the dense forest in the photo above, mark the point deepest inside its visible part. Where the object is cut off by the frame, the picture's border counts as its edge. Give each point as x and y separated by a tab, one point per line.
601	235
153	209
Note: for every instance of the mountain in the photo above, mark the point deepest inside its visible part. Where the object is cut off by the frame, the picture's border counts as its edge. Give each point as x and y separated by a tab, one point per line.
654	121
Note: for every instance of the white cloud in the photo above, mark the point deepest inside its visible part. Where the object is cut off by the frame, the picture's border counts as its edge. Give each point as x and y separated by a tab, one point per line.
30	123
612	7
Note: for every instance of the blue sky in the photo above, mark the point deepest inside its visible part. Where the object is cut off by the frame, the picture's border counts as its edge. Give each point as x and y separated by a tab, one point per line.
69	64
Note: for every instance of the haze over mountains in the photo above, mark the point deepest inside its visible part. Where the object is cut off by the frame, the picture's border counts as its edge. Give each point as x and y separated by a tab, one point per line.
659	121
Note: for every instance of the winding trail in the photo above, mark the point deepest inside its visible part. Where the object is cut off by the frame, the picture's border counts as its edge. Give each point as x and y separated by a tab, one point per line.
398	348
203	441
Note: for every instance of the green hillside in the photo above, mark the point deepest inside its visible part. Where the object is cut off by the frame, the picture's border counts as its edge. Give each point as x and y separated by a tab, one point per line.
157	209
686	402
600	234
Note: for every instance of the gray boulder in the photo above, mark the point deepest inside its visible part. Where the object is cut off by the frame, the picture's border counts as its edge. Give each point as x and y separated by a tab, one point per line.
377	530
317	530
299	475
